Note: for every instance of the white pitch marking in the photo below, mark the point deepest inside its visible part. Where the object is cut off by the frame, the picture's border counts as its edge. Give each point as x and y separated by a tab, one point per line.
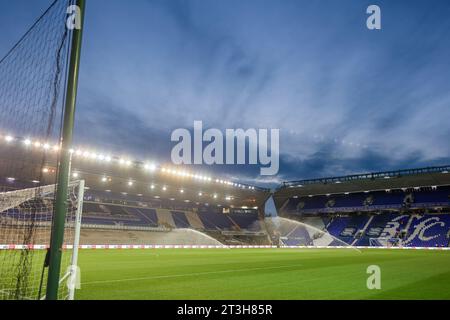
188	274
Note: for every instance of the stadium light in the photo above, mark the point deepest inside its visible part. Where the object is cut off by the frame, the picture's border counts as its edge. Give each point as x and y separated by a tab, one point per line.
150	167
123	161
75	175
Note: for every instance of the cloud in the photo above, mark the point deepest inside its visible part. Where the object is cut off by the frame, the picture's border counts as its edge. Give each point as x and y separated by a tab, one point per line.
346	100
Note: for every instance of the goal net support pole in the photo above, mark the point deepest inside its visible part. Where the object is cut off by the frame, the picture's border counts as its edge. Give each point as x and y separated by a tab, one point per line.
57	235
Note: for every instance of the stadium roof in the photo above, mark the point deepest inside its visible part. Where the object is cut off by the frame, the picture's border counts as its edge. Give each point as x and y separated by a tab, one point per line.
106	158
409	178
19	163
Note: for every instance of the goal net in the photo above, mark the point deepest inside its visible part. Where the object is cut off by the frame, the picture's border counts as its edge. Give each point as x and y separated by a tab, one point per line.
25	229
385	242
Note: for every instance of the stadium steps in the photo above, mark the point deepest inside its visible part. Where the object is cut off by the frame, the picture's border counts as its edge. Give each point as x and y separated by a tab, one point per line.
238	227
165	218
143	216
194	220
283	207
180	219
410	221
367	224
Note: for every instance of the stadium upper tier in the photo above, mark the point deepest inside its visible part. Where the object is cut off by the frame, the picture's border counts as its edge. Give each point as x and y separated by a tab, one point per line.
414	198
413	188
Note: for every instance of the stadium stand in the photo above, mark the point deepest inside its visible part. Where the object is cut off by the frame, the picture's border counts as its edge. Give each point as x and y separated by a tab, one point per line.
409	206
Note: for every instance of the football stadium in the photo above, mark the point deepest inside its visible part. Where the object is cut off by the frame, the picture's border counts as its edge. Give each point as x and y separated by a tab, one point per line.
80	221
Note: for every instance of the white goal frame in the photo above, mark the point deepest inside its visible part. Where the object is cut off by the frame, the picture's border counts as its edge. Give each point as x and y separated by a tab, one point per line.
70	275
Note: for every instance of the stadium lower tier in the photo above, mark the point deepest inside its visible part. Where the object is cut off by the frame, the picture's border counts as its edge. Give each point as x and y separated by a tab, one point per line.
106	223
386	229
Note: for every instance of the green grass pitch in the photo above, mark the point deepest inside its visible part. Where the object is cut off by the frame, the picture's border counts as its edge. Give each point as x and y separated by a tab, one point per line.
184	274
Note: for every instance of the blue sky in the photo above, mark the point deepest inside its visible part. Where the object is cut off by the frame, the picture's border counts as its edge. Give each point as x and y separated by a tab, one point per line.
346	99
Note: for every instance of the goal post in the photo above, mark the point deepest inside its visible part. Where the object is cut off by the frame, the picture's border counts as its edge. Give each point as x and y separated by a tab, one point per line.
25	226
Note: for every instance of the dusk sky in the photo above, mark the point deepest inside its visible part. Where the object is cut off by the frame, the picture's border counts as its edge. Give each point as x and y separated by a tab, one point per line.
346	99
